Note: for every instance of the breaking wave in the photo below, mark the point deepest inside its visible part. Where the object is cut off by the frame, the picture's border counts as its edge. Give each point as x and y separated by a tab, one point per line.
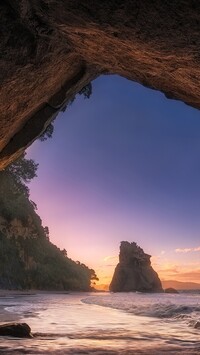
162	306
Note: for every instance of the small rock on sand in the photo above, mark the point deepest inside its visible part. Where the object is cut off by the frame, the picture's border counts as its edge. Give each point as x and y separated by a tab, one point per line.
19	330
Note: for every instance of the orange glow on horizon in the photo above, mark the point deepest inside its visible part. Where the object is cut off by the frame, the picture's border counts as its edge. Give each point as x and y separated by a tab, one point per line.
166	270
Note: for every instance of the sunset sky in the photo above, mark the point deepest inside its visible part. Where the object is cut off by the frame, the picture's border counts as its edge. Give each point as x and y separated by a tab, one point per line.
123	165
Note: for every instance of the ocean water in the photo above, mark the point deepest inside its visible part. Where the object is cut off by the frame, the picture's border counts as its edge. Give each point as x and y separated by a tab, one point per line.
104	323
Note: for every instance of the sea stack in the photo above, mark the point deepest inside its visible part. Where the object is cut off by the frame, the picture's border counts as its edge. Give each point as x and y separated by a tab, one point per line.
134	271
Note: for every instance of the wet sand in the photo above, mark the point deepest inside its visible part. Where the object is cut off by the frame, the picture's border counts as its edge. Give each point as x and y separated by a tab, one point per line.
19	347
95	351
6	316
12	293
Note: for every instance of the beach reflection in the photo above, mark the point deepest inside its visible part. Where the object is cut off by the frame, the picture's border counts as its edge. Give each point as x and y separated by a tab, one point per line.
63	324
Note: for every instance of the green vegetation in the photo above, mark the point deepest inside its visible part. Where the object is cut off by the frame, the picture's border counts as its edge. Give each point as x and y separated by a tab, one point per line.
86	91
28	260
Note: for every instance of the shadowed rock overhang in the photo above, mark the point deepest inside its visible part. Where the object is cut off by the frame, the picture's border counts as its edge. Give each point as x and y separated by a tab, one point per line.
50	49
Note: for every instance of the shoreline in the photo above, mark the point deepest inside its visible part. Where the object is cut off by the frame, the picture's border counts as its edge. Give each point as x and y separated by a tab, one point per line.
54	336
7	293
7	317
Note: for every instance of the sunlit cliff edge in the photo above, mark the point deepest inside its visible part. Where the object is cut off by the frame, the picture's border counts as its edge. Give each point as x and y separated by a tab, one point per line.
51	49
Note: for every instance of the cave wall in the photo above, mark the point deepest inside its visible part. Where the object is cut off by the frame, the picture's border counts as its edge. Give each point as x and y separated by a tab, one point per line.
50	49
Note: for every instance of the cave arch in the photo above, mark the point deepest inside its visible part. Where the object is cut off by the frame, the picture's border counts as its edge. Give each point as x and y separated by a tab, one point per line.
51	49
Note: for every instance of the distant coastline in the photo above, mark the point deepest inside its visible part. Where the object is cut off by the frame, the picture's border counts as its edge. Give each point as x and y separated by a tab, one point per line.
178	285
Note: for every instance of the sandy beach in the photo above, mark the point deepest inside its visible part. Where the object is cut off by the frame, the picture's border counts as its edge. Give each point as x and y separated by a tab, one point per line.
62	323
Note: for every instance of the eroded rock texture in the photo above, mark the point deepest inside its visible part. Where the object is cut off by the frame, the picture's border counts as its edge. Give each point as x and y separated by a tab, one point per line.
134	271
50	49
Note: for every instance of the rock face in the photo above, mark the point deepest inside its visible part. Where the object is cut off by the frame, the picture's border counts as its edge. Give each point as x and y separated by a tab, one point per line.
134	271
18	330
50	49
197	325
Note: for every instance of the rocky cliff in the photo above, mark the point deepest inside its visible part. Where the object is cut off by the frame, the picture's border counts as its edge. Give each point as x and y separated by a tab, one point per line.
28	260
134	271
50	49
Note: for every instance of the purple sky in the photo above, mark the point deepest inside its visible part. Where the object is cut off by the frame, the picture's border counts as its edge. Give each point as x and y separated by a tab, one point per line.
123	165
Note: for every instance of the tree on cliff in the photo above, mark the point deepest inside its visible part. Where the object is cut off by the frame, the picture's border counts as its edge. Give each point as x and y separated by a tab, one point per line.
27	258
33	261
14	189
86	91
20	173
17	175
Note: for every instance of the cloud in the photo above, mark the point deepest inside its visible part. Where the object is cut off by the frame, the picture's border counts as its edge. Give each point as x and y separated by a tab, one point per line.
111	258
187	250
110	265
181	272
172	270
193	276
